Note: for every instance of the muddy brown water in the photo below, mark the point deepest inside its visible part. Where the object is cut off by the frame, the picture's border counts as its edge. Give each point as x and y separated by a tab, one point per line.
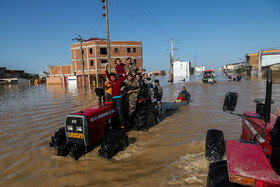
170	154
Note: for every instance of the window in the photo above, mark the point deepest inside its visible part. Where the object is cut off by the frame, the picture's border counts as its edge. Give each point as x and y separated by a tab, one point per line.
128	50
135	61
103	51
90	50
82	51
116	50
134	50
91	63
103	62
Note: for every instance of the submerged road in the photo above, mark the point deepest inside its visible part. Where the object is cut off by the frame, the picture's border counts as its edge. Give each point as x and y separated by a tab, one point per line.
170	154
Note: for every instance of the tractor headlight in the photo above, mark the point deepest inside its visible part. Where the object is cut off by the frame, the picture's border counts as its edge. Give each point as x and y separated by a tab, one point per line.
79	128
70	128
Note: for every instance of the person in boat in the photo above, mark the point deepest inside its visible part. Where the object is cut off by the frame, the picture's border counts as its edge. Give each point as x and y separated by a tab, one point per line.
158	90
119	68
132	88
116	92
180	98
185	94
131	67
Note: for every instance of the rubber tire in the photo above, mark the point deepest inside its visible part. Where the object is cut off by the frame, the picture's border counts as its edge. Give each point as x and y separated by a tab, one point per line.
144	117
113	142
215	145
218	175
58	139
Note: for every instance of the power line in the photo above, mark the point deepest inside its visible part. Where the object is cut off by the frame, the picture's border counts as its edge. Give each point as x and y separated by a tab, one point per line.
152	21
130	16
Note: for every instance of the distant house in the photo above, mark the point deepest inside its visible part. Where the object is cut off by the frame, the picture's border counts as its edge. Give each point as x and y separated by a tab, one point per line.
181	69
5	73
156	73
266	58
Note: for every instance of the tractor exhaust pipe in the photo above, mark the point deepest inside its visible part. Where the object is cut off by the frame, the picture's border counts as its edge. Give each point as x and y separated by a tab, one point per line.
267	100
268	95
100	92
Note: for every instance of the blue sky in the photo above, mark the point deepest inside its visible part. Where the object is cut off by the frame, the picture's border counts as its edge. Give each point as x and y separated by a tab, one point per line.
35	34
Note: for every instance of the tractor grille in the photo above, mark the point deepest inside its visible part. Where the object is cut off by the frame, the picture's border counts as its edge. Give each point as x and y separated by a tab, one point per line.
74	126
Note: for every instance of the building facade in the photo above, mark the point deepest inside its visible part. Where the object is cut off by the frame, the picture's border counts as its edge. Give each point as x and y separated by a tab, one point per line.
265	58
5	73
95	57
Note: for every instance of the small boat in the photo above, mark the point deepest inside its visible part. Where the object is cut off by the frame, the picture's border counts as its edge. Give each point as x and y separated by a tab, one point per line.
173	105
208	77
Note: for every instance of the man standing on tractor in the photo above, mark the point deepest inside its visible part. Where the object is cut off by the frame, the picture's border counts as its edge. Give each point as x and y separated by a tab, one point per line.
119	68
158	89
116	92
131	67
185	94
132	87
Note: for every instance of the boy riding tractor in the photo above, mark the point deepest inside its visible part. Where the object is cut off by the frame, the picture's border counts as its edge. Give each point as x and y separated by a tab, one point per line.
100	124
253	160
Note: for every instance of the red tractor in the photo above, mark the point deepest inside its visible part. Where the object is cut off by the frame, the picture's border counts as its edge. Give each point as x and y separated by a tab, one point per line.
85	129
253	160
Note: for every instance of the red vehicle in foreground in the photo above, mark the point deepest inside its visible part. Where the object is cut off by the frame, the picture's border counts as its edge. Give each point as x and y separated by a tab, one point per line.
99	125
253	160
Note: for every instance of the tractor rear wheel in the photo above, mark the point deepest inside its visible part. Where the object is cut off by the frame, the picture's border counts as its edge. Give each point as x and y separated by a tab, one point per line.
218	175
215	145
113	142
144	117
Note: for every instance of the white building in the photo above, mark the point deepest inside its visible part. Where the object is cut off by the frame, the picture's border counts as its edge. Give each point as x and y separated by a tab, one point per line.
181	70
200	69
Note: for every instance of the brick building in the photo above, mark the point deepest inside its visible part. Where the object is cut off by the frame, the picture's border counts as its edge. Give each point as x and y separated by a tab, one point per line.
253	61
95	57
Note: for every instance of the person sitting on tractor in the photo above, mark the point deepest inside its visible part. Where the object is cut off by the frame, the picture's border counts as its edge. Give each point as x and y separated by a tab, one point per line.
180	98
116	92
131	67
275	142
148	82
119	68
132	87
185	94
108	91
158	90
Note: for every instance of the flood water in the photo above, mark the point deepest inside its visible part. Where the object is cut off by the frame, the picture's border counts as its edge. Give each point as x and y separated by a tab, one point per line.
170	154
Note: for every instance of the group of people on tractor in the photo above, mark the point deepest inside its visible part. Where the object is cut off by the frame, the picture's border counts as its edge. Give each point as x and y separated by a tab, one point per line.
126	86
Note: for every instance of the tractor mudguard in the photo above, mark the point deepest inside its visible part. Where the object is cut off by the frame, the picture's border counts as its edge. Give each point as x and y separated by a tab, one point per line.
247	162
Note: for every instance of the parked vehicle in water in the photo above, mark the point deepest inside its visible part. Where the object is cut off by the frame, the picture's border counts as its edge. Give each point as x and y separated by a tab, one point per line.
208	77
253	160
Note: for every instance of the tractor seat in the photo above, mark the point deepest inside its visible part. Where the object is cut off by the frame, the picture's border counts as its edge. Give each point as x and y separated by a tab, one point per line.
261	101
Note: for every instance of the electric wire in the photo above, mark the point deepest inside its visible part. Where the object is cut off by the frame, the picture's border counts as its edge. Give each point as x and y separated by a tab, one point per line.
135	19
152	21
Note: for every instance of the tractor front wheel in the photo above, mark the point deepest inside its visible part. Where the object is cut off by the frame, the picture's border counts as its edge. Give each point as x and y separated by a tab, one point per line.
215	145
113	142
218	175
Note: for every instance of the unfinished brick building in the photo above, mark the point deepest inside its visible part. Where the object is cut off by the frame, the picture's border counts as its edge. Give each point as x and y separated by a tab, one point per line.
95	57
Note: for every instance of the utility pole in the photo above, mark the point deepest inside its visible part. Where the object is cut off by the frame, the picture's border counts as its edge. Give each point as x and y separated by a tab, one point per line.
195	57
82	59
171	60
107	33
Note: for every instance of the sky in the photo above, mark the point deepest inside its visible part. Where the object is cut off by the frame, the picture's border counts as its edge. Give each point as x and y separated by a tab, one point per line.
35	34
